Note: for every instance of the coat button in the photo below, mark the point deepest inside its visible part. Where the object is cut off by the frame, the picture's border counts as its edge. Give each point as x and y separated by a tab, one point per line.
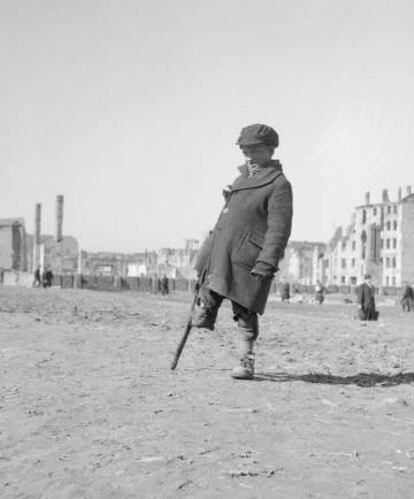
225	210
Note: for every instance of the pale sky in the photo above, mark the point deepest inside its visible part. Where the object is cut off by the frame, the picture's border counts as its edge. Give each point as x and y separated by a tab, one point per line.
131	110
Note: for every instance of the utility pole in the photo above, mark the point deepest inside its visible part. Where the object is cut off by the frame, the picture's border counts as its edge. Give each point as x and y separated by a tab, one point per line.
59	234
37	232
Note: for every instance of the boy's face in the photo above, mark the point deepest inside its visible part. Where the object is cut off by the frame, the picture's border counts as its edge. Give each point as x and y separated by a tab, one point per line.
259	154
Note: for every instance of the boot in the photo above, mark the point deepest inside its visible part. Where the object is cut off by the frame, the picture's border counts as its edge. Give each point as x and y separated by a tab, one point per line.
246	368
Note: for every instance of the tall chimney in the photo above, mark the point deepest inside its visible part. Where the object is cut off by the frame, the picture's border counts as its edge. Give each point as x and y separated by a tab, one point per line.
59	217
36	241
367	198
408	188
399	194
385	198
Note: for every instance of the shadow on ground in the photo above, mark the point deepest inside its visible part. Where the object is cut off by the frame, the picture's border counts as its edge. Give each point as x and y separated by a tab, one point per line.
361	379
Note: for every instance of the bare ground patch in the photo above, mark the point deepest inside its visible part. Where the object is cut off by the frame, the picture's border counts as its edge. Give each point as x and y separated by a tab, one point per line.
89	407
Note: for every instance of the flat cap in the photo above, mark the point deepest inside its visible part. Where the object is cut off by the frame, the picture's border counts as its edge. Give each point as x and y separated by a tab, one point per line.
258	134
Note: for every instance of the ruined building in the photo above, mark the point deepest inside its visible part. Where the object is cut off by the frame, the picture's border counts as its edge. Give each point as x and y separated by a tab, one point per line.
379	241
104	263
174	262
298	264
61	258
56	252
178	262
13	254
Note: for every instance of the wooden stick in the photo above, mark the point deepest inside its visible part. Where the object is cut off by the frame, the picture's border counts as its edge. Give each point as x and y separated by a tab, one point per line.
186	332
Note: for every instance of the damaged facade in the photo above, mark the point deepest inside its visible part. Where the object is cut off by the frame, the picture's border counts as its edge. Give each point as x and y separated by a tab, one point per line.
103	263
298	264
13	250
173	262
60	257
178	263
379	241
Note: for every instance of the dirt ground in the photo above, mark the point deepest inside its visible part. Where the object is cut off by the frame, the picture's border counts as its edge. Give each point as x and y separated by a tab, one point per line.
90	409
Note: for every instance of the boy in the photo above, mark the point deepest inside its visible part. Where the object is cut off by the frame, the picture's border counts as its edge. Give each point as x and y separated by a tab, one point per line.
241	255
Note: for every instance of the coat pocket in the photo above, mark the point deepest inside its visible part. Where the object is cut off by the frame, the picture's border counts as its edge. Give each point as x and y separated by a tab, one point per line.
247	251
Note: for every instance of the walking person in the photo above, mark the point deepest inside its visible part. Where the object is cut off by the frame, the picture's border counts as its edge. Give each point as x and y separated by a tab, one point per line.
165	287
366	300
407	300
47	278
37	283
241	256
285	291
319	292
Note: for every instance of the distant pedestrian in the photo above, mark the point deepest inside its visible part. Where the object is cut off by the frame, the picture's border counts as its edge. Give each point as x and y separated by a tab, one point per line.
407	300
47	278
285	291
319	292
165	287
366	300
37	283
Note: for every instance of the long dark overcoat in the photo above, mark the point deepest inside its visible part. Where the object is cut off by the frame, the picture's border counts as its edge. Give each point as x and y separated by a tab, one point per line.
366	298
254	225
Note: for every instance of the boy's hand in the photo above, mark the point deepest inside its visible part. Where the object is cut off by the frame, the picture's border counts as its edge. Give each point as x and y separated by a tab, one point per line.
263	271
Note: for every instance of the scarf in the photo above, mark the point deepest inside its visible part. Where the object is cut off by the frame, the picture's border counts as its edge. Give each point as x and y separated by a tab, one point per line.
253	169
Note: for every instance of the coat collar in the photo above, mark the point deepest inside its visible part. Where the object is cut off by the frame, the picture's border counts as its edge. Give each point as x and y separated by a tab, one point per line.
263	177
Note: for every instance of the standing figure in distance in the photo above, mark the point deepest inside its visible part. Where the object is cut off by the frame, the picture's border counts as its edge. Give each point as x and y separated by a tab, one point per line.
165	288
366	300
37	283
407	300
47	278
285	291
240	257
319	292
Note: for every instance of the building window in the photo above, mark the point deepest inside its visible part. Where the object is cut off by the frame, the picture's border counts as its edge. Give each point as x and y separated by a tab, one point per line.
343	246
395	209
353	245
342	280
364	216
343	263
387	262
353	262
363	254
394	262
388	243
394	225
375	211
382	242
387	281
389	209
353	280
393	281
363	237
394	243
388	225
